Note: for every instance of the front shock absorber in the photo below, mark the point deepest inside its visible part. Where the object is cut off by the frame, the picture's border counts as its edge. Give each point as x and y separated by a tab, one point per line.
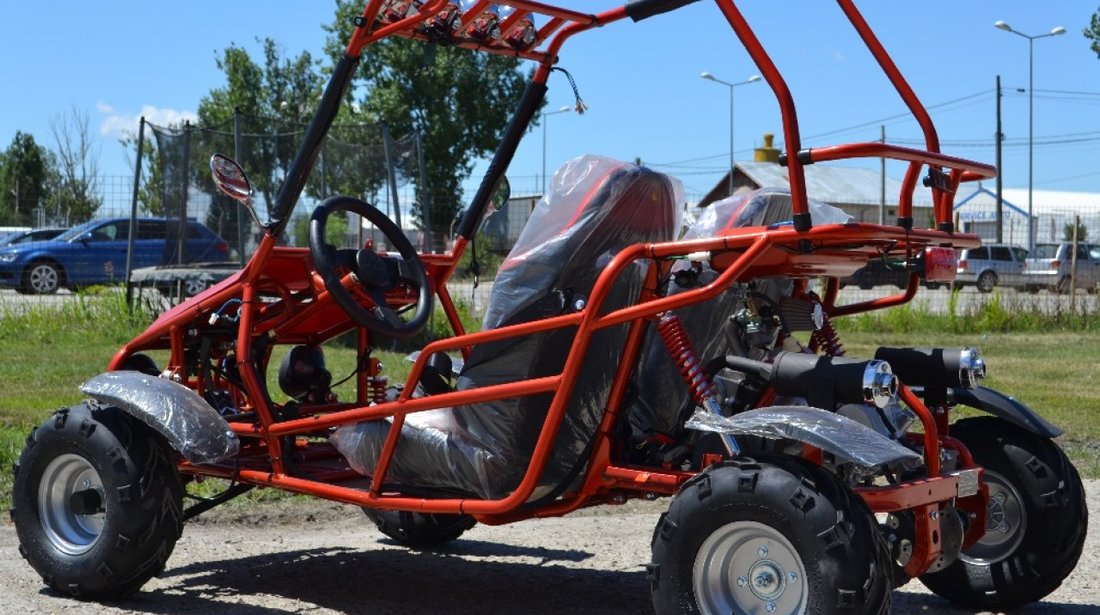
700	386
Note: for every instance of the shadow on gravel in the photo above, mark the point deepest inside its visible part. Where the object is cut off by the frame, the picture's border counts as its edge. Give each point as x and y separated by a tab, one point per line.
912	602
481	548
392	581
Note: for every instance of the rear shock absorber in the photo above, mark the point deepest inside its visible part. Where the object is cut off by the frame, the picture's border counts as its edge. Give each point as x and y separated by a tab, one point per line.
702	389
826	338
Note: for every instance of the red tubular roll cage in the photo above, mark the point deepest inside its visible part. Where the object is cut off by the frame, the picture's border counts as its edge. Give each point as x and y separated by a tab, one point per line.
803	251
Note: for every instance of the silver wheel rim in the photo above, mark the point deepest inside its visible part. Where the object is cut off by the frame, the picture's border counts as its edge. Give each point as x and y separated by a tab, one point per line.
749	567
1005	523
69	532
43	279
986	282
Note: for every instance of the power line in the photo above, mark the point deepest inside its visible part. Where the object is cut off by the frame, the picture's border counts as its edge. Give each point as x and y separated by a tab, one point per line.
899	116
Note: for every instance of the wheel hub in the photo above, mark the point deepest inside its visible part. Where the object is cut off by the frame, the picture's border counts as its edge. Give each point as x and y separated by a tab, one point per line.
1005	522
749	567
767	580
70	504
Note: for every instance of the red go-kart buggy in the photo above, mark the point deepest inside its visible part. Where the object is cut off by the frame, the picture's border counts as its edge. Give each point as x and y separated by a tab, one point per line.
618	360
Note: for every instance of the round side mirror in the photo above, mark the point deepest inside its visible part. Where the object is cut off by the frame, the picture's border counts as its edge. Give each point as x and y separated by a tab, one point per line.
501	193
230	178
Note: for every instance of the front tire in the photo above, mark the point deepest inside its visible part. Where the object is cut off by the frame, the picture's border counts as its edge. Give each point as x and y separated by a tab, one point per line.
42	277
777	536
97	504
1036	520
420	530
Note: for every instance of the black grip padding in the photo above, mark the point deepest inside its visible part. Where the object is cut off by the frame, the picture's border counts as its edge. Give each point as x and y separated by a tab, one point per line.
298	173
644	9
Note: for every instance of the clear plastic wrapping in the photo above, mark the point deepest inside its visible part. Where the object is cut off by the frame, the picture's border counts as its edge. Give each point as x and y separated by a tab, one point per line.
596	207
845	438
662	394
761	207
189	424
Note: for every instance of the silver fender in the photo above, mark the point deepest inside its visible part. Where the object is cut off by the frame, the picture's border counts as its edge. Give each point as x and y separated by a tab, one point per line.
839	435
186	421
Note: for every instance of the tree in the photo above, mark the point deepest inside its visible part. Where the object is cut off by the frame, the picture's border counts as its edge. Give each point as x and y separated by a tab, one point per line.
458	99
275	100
1092	32
151	188
1082	232
25	170
74	197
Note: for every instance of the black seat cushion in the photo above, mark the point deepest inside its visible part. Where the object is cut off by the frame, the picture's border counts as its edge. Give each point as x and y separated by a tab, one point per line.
484	448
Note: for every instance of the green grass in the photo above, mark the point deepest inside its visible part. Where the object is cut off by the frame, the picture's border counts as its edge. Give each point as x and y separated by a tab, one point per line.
1052	365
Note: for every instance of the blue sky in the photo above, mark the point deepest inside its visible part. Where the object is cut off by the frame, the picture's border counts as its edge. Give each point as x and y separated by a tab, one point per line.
119	60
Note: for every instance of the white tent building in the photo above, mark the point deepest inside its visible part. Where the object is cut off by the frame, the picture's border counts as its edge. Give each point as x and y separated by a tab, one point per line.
976	212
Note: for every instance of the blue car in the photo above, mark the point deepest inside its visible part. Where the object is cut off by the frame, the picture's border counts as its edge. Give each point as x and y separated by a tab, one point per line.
38	234
95	253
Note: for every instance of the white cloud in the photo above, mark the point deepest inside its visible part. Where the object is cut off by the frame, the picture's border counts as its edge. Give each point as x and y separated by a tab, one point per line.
116	124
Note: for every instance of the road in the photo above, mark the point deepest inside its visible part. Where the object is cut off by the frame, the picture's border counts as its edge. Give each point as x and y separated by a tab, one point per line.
315	557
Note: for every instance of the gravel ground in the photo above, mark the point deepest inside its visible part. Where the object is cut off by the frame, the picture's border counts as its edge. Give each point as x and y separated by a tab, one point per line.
318	557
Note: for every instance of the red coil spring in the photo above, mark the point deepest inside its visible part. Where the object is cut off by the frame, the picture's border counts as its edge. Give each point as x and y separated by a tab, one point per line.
676	340
377	386
826	339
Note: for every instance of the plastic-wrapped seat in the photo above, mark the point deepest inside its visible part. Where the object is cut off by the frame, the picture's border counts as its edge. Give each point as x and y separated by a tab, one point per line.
596	208
661	405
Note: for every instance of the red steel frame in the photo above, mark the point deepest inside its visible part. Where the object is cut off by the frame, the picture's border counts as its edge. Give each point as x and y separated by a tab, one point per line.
801	252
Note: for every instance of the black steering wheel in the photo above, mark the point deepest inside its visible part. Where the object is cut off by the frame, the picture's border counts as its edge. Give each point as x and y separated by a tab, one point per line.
375	273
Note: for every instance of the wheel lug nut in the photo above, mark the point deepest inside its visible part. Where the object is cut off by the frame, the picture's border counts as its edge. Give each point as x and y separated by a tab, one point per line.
792	576
763	551
771	607
742	581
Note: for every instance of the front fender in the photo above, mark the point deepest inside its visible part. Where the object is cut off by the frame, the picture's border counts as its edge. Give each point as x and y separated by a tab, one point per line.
846	439
186	421
1008	408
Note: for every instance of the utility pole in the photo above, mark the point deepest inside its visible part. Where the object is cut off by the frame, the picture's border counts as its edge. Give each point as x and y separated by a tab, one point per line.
882	180
999	181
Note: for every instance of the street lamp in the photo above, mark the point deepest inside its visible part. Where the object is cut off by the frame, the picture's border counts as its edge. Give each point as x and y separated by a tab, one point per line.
710	77
1000	25
565	109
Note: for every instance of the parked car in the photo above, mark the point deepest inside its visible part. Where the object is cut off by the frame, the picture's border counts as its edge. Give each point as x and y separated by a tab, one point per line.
95	253
1049	266
995	264
882	272
184	280
38	234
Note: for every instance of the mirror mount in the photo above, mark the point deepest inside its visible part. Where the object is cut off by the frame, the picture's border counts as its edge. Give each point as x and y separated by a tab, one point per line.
229	177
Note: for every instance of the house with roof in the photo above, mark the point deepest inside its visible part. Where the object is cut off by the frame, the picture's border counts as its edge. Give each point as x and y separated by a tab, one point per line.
859	191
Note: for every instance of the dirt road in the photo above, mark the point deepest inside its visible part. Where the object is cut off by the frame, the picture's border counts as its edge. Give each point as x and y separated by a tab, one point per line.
321	558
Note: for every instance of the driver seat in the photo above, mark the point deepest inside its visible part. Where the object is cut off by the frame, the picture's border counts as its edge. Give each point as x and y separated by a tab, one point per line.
597	207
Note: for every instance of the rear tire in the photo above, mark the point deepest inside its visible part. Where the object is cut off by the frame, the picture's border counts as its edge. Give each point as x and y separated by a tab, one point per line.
97	504
778	535
1064	287
986	281
1038	505
420	530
